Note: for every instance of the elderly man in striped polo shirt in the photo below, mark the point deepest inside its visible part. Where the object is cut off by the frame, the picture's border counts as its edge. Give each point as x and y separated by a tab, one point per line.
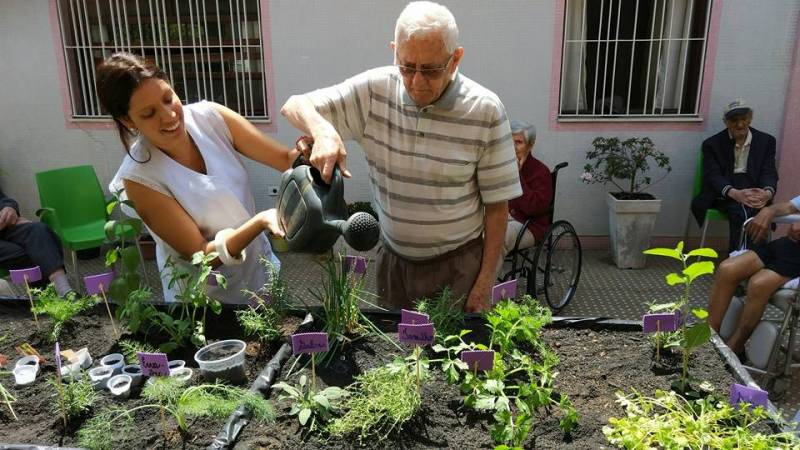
441	160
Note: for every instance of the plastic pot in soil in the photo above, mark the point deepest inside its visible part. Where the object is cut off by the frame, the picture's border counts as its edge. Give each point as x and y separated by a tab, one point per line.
223	360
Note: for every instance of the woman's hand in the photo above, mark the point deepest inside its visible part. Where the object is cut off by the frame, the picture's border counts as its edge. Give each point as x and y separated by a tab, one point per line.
269	221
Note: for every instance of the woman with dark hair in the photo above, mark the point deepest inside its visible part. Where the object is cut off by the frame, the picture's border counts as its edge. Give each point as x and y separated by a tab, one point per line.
184	173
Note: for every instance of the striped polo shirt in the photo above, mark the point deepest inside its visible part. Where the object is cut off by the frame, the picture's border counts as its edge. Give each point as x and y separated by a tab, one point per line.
433	168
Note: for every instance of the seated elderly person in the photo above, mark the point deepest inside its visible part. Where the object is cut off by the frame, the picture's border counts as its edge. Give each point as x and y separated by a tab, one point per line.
24	243
739	175
768	266
537	191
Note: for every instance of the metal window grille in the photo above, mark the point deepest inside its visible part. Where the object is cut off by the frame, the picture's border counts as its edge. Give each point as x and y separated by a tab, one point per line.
210	49
633	59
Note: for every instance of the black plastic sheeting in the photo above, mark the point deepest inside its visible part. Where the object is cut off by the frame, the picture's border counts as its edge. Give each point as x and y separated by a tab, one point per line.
262	385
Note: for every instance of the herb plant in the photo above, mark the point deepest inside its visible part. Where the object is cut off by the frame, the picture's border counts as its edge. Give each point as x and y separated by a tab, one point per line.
60	310
127	278
263	319
7	398
669	421
131	349
310	406
171	398
697	334
445	312
76	397
381	400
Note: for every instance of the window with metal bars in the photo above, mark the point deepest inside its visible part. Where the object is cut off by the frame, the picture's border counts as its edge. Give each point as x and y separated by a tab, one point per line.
210	49
633	59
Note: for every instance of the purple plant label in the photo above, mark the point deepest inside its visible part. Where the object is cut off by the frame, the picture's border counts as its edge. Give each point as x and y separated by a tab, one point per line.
309	343
358	264
413	317
478	359
58	359
154	364
747	394
212	278
97	283
652	323
507	289
415	334
31	273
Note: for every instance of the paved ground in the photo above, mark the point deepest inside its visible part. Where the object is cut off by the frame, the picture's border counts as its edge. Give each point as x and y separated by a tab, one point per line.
603	290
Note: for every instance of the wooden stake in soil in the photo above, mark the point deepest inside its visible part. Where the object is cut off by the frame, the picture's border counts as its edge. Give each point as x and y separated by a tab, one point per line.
30	298
108	309
658	342
96	284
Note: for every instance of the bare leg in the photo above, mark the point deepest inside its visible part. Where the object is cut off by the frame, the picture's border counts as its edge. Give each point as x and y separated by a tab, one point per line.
728	275
760	287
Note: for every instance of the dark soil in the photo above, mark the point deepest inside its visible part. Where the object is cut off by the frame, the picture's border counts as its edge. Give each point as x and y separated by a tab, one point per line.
39	424
632	196
594	365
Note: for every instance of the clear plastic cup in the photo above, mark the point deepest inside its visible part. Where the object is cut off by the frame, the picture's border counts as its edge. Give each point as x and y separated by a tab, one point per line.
223	360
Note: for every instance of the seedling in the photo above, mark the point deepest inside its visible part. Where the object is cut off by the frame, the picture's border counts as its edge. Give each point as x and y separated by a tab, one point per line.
446	313
127	280
310	406
7	398
75	398
267	309
310	343
699	333
60	310
131	349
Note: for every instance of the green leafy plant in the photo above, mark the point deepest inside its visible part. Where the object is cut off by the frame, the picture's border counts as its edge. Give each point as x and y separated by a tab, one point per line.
60	310
137	312
7	398
76	397
127	277
131	350
697	334
341	296
263	320
670	421
513	323
381	400
445	312
310	406
171	398
626	160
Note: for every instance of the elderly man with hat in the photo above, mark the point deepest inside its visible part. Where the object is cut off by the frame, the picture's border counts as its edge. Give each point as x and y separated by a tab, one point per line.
739	175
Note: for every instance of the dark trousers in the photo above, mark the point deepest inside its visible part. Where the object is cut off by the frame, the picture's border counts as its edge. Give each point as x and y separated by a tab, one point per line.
31	244
401	281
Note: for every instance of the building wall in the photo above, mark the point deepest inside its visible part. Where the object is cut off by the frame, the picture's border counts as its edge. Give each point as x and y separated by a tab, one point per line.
509	47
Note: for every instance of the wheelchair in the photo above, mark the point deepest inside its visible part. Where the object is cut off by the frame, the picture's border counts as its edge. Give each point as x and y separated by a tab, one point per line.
552	267
772	346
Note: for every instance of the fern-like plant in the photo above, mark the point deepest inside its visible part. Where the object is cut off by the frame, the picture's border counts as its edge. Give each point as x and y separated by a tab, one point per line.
60	310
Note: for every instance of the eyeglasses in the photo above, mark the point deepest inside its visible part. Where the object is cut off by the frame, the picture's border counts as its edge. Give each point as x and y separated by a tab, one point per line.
429	73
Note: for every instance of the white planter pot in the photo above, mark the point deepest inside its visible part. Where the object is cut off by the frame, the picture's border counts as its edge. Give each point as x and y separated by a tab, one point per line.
630	225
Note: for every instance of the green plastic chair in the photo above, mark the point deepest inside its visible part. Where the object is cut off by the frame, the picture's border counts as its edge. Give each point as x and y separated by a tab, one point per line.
711	213
74	207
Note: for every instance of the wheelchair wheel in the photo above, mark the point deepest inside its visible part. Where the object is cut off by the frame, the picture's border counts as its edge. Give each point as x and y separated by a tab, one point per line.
556	266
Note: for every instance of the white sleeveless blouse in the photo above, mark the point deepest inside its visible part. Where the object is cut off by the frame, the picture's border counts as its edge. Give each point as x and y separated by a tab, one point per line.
221	199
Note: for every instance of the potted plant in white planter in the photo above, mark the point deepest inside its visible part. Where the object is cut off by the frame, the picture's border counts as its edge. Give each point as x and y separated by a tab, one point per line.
632	212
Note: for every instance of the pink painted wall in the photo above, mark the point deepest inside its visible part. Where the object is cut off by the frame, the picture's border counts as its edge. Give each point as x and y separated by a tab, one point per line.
789	151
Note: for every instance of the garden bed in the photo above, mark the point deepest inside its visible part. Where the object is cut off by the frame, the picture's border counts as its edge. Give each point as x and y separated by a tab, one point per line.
595	362
39	424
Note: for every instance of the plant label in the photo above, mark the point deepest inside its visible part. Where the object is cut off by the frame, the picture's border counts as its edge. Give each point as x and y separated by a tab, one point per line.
212	278
652	323
413	317
309	343
507	289
31	274
478	359
747	394
154	364
415	334
96	283
58	359
358	264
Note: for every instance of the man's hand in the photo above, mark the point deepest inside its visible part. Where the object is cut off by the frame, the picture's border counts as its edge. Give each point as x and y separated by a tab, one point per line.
758	228
478	300
8	217
747	197
757	197
328	152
